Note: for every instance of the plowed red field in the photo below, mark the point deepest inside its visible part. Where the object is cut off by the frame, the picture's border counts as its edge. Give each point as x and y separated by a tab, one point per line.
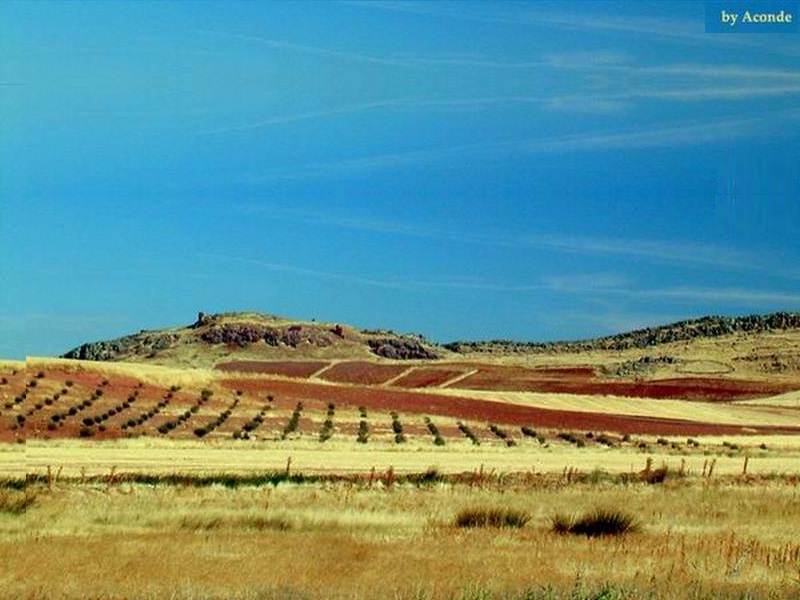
494	412
581	381
289	368
363	372
427	377
79	402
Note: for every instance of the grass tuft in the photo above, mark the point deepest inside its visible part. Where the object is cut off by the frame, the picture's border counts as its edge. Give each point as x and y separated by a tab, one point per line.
15	502
492	517
598	523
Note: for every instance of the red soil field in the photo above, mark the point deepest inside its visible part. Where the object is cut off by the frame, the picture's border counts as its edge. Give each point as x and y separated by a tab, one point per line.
362	372
580	381
14	382
512	372
287	368
495	412
412	404
578	371
427	377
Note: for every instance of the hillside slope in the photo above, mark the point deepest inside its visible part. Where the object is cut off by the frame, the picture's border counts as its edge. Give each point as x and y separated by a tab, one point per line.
704	327
762	346
253	336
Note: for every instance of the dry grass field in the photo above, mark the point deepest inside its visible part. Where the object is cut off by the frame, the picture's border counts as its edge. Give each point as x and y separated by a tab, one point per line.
724	537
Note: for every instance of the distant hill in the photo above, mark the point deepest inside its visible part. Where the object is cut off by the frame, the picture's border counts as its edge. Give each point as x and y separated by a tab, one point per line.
213	338
705	327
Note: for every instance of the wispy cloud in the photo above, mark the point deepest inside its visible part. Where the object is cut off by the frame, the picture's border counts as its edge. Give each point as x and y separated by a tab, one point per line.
586	60
691	31
715	93
306	272
583	282
387	104
685	253
592	286
313	114
592	103
374	59
682	30
587	104
730	71
598	59
614	70
666	136
305	49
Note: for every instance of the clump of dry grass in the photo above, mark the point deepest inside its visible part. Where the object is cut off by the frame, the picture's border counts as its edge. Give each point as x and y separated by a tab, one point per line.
214	522
597	523
491	517
15	502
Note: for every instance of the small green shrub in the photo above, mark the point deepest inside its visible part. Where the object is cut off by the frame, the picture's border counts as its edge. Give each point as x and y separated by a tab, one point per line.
469	434
294	421
606	440
326	432
363	432
438	440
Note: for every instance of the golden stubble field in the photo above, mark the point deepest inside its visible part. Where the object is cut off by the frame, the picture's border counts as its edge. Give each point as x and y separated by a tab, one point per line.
308	455
359	539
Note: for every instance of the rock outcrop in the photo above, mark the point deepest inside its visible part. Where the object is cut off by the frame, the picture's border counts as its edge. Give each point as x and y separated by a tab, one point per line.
401	349
139	344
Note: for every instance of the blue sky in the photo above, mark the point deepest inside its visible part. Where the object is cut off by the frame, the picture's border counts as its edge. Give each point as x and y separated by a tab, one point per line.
525	170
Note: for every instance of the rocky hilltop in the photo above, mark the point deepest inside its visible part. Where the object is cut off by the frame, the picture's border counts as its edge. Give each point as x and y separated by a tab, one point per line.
253	335
705	327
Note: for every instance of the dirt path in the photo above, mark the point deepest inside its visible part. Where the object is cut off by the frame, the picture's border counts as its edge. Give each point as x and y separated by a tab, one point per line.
457	378
391	381
316	374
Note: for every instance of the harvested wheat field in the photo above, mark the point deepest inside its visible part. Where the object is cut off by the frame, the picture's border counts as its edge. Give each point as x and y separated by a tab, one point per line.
392	537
